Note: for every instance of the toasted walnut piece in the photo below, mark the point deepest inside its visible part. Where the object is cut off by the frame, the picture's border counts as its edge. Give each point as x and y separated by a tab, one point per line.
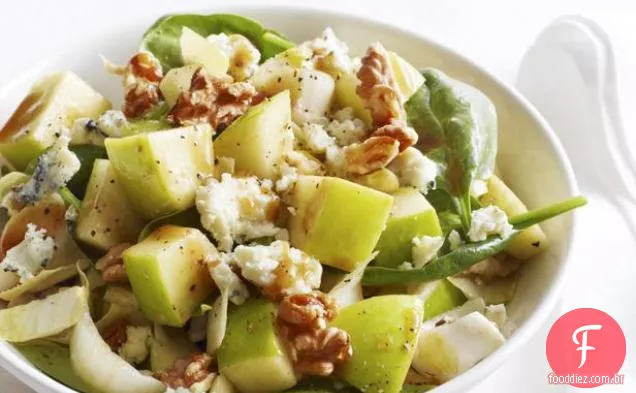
370	155
377	86
399	131
115	335
217	101
318	353
141	75
187	371
307	311
112	265
315	348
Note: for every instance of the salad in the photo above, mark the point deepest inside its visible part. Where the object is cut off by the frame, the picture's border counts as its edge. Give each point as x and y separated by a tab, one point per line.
258	216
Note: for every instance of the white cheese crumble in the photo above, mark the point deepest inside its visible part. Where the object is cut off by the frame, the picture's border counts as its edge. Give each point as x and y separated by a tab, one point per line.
314	137
135	349
346	128
237	209
243	55
336	161
405	266
280	266
425	249
454	240
199	387
414	169
31	255
490	220
226	279
53	170
478	188
497	313
332	51
296	163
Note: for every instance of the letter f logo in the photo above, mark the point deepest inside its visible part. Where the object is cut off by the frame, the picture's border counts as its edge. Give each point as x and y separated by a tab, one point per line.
583	344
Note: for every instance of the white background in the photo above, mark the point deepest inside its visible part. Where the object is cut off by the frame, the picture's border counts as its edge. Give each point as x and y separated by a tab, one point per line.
493	33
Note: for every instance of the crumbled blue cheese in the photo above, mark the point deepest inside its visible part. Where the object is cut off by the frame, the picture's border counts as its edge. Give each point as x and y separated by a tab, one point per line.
405	266
53	170
244	56
346	128
89	131
31	255
490	220
425	249
280	266
135	349
314	137
454	240
414	169
294	164
237	209
226	279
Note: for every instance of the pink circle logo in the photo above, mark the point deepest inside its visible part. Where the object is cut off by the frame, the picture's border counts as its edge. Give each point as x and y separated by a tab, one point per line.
585	348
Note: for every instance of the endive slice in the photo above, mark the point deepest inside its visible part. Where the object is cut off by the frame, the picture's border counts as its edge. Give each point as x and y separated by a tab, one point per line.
43	318
349	290
217	322
101	368
42	281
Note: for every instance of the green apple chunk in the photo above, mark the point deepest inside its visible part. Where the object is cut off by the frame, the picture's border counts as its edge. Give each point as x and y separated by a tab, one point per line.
106	218
55	361
167	346
176	81
195	49
252	355
257	141
450	349
407	78
346	95
167	273
337	221
411	216
439	296
53	102
159	171
383	333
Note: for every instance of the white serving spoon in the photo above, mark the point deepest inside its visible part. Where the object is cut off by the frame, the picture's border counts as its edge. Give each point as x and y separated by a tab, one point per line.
569	75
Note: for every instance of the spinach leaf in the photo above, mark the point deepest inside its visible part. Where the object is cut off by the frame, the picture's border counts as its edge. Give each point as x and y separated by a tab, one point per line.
162	38
447	265
467	255
457	127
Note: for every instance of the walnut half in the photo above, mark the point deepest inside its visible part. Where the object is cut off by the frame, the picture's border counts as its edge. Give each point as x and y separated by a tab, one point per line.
217	101
141	84
112	265
315	348
187	371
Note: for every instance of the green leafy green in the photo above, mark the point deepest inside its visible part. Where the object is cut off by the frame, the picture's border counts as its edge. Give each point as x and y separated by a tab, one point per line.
162	38
87	154
457	127
450	264
536	216
467	255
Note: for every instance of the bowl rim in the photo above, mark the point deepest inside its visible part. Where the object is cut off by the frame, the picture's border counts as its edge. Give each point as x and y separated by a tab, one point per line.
30	375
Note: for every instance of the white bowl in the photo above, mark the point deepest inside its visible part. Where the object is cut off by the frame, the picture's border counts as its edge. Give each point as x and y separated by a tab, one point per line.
531	158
